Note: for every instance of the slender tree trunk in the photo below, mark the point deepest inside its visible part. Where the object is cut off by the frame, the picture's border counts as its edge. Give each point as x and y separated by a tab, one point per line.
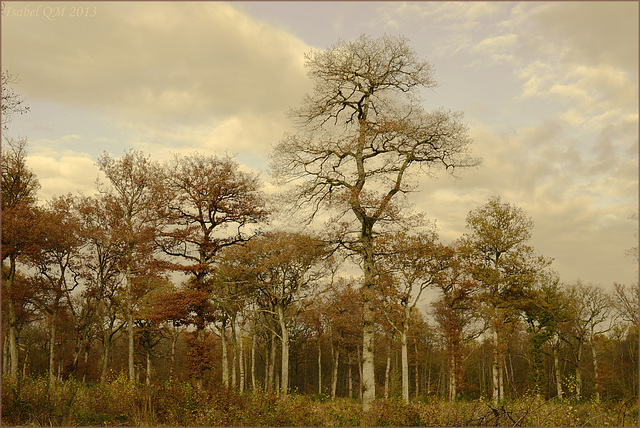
596	376
494	369
172	368
148	377
405	366
129	298
387	373
253	360
415	344
350	376
285	350
25	364
241	364
319	368
334	375
579	372
105	359
501	370
272	367
13	319
234	353
452	377
52	344
360	373
225	356
86	364
5	354
556	365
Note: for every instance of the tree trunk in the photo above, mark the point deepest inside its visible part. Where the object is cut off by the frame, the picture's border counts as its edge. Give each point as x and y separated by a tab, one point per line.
5	354
494	370
225	356
86	364
415	344
130	317
284	381
174	339
319	368
253	361
234	353
105	359
596	377
452	377
579	372
360	373
334	374
405	366
368	318
387	373
13	319
556	365
429	375
241	364
52	345
272	368
148	377
350	377
501	376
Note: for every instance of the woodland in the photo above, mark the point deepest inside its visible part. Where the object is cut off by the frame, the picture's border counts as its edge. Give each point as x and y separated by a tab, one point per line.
178	295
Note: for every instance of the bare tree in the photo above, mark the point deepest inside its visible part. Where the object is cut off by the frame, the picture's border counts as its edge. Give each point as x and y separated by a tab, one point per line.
12	102
361	136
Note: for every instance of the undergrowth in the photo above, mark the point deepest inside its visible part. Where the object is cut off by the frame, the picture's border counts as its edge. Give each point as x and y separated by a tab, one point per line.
44	402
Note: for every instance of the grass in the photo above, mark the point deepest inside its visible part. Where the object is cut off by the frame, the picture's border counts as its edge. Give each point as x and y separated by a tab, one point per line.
41	402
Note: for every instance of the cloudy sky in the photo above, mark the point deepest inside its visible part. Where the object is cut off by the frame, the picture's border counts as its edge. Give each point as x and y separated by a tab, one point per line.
549	91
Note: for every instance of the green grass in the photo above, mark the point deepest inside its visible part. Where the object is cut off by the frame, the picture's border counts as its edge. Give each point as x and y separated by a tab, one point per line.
40	402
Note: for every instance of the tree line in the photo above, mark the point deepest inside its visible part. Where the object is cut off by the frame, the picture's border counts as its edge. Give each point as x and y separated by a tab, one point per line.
172	268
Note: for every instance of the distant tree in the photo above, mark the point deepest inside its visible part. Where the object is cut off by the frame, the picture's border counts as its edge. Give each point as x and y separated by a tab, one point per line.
456	313
134	189
544	311
341	317
505	266
413	262
289	270
209	204
20	229
362	138
58	265
590	311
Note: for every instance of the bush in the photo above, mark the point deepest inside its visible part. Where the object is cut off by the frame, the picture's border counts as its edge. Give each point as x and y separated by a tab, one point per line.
41	401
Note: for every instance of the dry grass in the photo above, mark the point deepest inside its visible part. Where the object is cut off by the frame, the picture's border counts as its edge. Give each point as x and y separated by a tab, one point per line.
40	402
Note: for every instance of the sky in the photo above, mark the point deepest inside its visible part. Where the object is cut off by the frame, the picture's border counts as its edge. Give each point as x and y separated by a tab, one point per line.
549	91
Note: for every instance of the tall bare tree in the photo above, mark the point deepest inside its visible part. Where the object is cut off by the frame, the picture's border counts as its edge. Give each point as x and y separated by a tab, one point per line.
362	136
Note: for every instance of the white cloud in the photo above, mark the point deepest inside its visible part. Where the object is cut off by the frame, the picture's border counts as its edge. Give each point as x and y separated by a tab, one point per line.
158	62
60	174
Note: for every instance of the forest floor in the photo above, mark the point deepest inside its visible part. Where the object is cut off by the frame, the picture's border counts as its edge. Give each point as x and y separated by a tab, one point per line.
40	402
